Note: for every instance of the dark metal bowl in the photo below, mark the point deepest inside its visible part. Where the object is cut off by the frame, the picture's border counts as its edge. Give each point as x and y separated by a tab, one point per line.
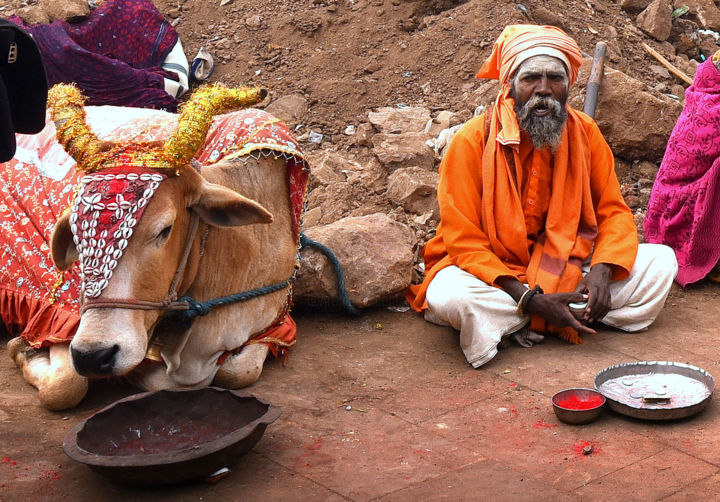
577	417
168	436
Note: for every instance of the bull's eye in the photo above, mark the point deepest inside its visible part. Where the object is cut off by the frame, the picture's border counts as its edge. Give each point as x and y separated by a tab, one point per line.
164	233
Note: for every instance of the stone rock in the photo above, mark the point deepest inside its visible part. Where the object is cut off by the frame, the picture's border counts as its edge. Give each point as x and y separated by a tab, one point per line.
633	201
33	14
645	197
485	94
679	91
328	167
635	122
363	134
376	255
634	5
331	201
65	10
656	19
708	15
254	22
403	150
415	190
660	71
389	120
440	122
708	46
369	175
542	15
645	171
312	217
291	109
639	220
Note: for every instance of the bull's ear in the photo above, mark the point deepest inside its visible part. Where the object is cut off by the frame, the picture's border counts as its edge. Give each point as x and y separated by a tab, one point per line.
62	247
223	207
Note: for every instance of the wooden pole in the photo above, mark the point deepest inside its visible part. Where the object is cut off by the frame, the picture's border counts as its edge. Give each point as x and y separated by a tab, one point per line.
668	65
593	86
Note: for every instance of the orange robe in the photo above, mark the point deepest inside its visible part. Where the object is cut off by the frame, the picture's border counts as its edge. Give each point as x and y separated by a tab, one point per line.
537	220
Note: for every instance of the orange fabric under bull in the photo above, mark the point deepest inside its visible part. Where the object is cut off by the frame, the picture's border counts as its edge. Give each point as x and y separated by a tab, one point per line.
537	222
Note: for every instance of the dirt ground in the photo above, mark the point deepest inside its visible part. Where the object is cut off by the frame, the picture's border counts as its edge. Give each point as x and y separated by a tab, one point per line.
423	425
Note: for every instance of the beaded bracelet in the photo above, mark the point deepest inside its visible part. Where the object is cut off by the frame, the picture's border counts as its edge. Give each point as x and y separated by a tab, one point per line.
526	297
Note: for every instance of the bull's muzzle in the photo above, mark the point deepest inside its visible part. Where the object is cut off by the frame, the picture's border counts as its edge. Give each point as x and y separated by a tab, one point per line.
99	362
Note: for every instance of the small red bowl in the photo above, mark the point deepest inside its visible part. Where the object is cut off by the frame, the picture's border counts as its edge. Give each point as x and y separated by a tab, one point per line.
578	406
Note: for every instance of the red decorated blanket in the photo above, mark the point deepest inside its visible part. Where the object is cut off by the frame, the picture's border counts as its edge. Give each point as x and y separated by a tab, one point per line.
39	184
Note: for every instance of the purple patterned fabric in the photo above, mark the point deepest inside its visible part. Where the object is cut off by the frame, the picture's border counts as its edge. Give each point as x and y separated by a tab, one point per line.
114	55
684	207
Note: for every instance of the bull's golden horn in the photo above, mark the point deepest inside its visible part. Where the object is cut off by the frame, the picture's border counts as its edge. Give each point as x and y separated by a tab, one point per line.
68	112
197	114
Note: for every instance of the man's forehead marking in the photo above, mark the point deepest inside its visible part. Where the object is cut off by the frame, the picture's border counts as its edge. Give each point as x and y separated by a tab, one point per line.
542	64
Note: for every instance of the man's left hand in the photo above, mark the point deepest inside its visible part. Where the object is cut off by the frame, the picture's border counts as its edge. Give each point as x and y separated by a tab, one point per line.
596	284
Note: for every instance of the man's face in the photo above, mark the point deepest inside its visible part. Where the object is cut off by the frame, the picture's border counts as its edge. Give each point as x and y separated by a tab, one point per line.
540	89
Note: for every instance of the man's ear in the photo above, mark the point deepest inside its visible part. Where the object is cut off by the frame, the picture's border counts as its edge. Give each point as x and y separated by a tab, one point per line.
220	206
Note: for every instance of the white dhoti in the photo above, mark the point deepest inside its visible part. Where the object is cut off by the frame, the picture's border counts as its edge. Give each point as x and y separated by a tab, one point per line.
484	314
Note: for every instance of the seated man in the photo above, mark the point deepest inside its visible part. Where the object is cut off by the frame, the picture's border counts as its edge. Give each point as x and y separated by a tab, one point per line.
685	202
532	218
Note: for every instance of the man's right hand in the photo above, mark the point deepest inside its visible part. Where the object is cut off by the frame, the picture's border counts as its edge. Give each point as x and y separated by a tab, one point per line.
553	307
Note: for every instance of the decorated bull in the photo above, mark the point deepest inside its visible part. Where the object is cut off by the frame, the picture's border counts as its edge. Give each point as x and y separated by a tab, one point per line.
176	239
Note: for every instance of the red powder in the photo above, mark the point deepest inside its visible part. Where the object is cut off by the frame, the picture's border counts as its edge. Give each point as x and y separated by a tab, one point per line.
575	403
542	424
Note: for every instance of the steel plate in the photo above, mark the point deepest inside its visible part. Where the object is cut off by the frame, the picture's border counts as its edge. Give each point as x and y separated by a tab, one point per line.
655	390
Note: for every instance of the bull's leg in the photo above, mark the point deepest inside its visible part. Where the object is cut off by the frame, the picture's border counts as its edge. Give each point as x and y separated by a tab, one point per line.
242	369
51	372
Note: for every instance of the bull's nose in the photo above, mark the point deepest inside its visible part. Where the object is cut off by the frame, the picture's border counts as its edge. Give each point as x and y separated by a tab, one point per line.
94	362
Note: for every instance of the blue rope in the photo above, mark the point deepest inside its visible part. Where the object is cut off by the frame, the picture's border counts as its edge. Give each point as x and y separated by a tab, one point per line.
306	241
196	308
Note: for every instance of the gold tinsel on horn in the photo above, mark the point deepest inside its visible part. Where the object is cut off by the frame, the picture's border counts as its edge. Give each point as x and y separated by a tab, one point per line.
68	112
67	104
197	114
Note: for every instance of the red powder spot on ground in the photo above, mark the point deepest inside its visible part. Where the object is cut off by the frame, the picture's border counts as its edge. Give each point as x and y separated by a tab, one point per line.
512	384
2	485
13	463
308	465
541	424
6	459
52	475
513	410
315	446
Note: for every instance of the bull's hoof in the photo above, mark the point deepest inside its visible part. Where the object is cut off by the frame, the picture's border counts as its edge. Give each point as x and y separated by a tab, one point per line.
64	392
18	349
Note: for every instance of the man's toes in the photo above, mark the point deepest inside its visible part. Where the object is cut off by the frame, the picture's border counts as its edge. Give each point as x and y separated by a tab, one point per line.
535	337
522	340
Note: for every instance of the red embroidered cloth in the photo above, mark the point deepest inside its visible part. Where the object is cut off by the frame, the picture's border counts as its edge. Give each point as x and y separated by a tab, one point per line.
38	184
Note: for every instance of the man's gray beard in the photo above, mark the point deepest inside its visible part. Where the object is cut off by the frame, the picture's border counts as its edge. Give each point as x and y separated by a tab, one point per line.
545	132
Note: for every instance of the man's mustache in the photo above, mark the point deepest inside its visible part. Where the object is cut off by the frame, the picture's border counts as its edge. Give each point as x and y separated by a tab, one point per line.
540	102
